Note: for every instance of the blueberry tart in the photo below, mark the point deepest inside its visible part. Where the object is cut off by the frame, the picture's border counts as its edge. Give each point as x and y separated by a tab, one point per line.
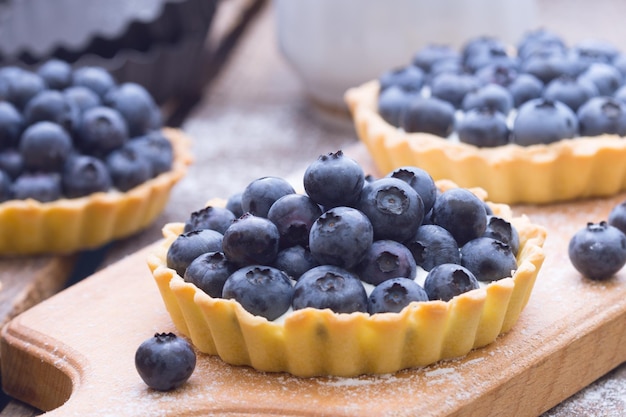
538	122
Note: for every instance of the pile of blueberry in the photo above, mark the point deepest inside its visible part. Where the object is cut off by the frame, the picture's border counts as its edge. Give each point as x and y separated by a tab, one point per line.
598	250
487	95
350	243
68	132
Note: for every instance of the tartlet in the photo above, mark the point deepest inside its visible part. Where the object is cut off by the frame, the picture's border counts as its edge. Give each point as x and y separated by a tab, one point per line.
312	342
66	225
565	170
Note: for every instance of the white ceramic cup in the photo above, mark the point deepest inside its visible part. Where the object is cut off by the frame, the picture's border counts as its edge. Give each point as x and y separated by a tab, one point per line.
337	44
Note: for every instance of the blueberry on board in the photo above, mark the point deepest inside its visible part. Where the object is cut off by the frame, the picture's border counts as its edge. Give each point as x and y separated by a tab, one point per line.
334	180
541	121
502	230
483	127
82	98
260	194
331	287
604	76
84	175
393	295
446	281
571	91
429	115
392	103
45	147
251	240
452	88
6	193
11	162
341	236
488	259
420	180
11	125
295	261
136	106
525	87
97	79
165	362
409	78
460	212
128	168
188	246
386	259
598	251
602	115
210	217
293	215
617	216
491	96
56	73
261	290
429	55
393	207
53	106
233	203
102	129
43	187
433	245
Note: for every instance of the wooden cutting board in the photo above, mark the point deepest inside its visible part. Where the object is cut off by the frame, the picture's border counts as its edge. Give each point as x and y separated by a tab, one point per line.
74	352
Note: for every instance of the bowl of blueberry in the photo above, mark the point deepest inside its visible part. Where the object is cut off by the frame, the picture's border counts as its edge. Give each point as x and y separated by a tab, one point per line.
84	160
538	122
370	275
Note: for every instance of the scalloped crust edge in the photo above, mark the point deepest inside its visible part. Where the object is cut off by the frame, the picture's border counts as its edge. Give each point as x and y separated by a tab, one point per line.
29	227
314	342
539	174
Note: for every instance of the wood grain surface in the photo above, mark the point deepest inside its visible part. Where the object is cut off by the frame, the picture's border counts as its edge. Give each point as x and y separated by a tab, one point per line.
75	350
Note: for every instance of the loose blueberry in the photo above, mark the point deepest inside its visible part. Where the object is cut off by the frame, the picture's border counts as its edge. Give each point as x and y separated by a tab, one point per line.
488	259
261	290
393	295
433	245
446	281
330	287
165	362
334	180
293	215
542	121
210	217
188	246
251	240
260	194
598	251
386	259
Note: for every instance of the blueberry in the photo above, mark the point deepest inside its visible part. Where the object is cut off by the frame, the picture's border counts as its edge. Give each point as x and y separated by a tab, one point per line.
23	85
498	74
209	272
542	121
295	261
137	107
484	50
433	245
392	103
6	192
341	236
97	79
210	217
11	125
570	91
261	290
596	50
446	281
251	240
617	217
386	259
51	105
488	259
429	55
157	149
128	168
334	180
502	230
82	98
547	64
620	94
393	295
598	251
602	115
165	362
492	96
233	203
45	146
101	130
409	78
188	246
293	215
420	180
260	194
56	73
331	287
429	115
43	187
452	87
393	207
605	77
84	175
525	87
539	39
483	127
11	162
460	212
